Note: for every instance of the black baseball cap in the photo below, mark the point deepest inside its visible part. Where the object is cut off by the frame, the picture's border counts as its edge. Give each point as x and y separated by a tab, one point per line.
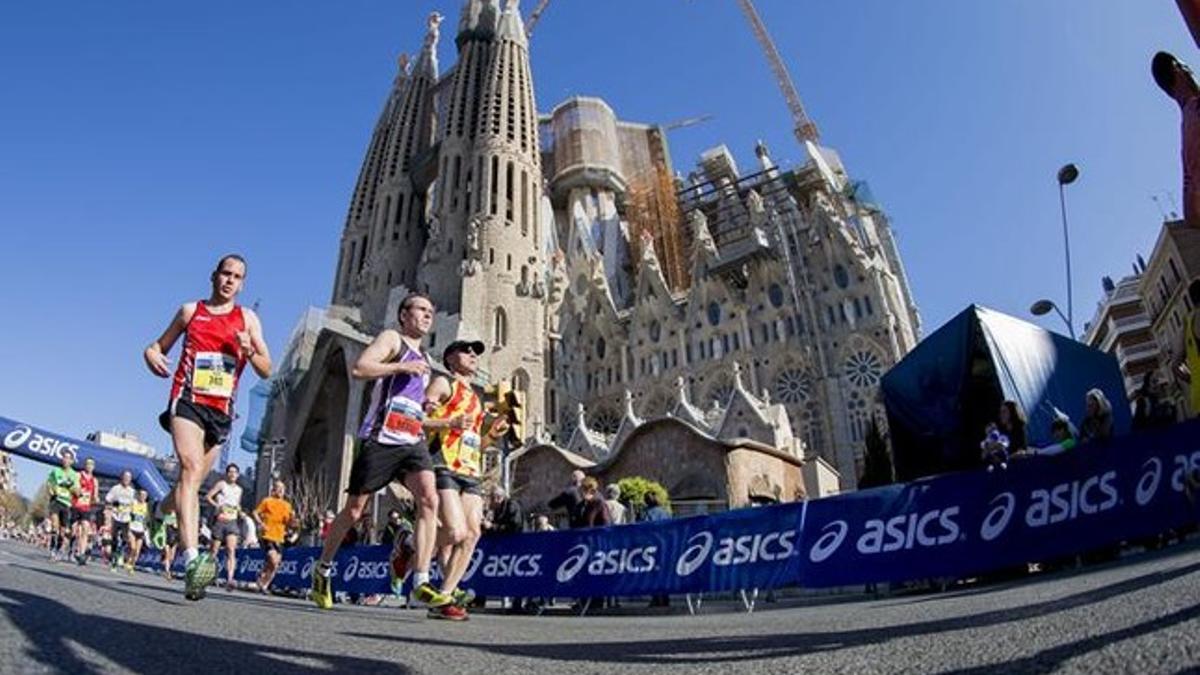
461	346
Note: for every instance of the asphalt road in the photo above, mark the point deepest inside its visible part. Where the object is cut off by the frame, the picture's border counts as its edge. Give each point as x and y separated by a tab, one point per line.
1140	615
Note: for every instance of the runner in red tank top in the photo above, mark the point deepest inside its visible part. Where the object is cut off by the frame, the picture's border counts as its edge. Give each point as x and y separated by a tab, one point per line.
220	338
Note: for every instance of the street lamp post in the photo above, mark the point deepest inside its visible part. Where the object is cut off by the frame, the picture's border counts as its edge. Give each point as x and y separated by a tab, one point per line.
1045	307
1067	175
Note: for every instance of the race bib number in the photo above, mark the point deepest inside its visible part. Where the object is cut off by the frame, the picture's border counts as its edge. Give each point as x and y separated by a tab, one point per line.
229	512
403	421
470	442
214	374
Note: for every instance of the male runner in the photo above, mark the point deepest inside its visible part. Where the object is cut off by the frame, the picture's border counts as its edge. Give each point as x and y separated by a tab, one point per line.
273	515
226	496
64	484
220	338
83	512
392	445
137	529
170	525
457	450
121	498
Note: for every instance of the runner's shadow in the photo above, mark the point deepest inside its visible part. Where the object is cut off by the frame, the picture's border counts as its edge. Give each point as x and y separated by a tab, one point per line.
101	584
52	627
727	649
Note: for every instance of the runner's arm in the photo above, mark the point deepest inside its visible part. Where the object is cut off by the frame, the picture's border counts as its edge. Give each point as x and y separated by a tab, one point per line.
156	354
373	363
217	486
436	394
259	357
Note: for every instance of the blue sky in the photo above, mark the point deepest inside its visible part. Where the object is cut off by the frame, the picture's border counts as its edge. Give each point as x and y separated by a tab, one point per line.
140	141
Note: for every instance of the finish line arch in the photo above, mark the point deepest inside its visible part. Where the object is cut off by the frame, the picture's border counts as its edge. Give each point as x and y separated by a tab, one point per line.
46	447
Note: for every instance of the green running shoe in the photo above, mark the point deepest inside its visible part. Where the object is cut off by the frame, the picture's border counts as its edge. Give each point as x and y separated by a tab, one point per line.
322	587
198	574
430	596
463	597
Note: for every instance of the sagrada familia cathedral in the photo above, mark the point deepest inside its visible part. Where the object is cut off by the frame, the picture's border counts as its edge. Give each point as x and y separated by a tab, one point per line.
723	332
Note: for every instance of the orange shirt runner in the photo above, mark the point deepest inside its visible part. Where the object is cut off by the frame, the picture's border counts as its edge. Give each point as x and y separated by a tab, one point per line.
275	514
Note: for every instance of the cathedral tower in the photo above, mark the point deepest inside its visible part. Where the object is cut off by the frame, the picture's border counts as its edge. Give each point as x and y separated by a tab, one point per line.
483	263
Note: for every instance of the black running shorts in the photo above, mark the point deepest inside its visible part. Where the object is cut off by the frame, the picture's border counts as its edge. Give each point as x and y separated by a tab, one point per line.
448	480
216	424
377	465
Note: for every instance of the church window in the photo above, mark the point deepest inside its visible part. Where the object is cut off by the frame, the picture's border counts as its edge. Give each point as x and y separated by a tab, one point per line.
508	263
687	353
775	294
674	358
714	313
399	208
863	369
508	194
605	421
840	276
725	344
858	310
458	184
495	185
500	328
601	347
792	386
655	331
867	302
842	311
524	203
737	342
491	256
789	326
524	275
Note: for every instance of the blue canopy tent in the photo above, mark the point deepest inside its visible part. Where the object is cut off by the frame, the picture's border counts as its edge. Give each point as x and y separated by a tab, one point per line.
46	447
940	397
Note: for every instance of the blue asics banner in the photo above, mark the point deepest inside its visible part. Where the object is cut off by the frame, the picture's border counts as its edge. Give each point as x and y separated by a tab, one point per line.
956	526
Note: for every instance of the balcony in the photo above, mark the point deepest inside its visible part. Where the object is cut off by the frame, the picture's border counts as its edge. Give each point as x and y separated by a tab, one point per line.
1128	323
1137	352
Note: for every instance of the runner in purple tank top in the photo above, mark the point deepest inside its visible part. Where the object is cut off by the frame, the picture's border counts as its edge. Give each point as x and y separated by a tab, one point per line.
392	446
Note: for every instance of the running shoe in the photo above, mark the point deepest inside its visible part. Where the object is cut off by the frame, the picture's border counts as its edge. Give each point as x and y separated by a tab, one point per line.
463	597
198	574
322	591
449	612
428	595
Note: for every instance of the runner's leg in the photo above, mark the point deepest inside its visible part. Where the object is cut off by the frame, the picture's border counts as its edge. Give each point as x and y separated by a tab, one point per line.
421	485
451	534
269	569
472	507
231	543
188	438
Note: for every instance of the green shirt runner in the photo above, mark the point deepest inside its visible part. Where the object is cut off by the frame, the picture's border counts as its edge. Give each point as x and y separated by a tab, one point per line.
61	482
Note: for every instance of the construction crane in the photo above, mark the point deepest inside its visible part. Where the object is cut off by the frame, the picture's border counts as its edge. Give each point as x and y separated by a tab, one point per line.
686	122
534	16
804	128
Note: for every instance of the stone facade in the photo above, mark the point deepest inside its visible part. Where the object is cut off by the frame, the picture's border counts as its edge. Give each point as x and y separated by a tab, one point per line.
608	288
1173	265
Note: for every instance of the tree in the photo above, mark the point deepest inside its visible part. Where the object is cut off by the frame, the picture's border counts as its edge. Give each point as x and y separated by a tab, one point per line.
13	507
311	496
877	460
39	506
634	489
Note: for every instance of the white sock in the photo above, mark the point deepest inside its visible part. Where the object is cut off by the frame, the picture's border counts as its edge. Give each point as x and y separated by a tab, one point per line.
189	555
420	578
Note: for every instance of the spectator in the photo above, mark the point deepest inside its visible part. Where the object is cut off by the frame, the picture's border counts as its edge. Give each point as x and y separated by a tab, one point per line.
654	511
507	517
392	529
616	510
1149	411
1098	421
541	523
569	499
326	523
1012	425
593	512
1064	438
